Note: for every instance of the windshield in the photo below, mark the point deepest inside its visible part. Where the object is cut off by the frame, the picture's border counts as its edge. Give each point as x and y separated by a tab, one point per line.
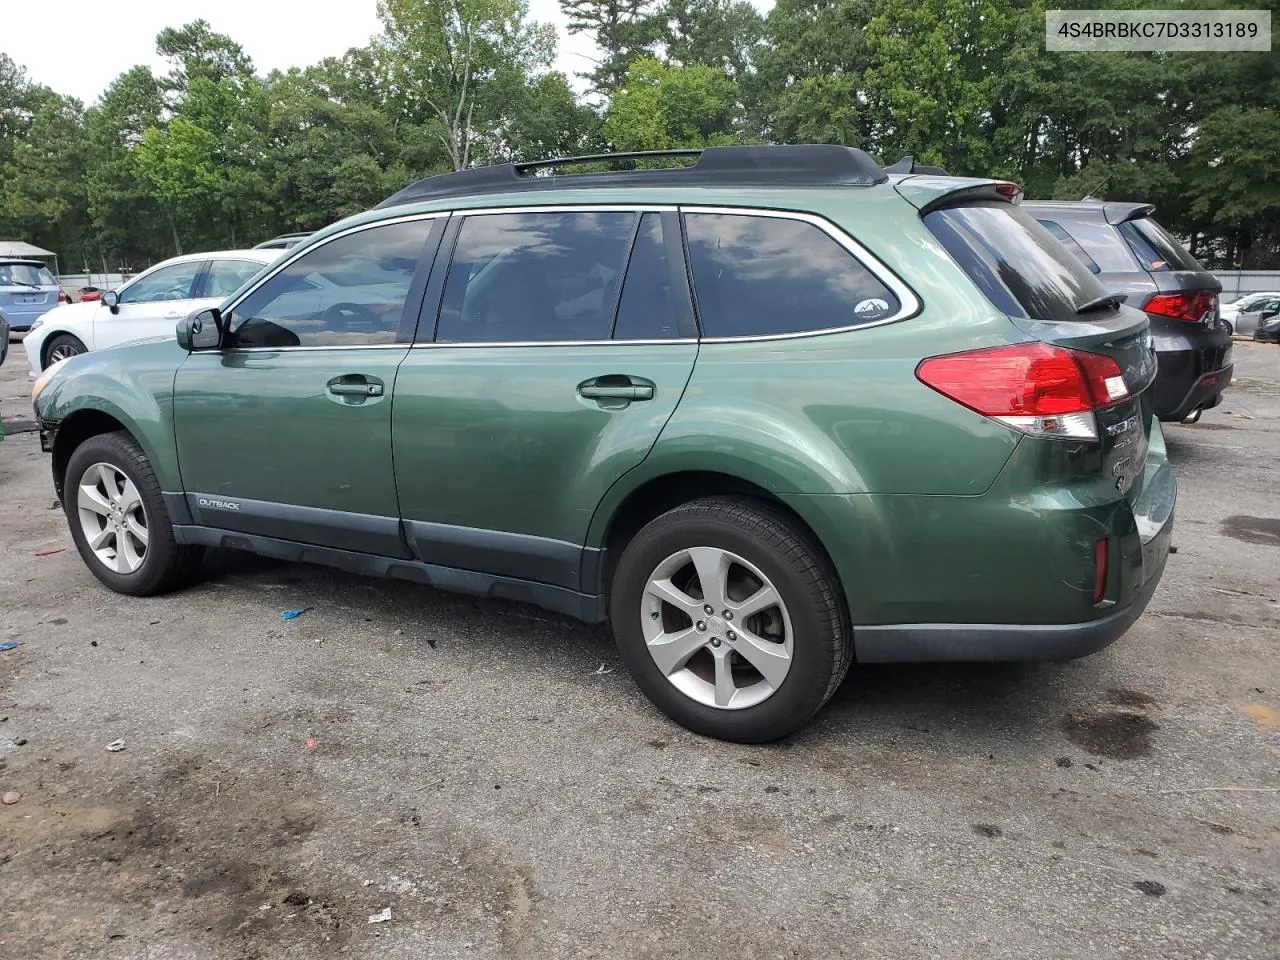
1023	270
25	274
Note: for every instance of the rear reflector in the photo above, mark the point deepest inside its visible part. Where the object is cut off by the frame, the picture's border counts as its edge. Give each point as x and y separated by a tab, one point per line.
1037	388
1099	570
1192	307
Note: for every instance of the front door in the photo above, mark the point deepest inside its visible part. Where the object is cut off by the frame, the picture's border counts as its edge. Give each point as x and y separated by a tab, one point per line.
286	432
150	305
548	378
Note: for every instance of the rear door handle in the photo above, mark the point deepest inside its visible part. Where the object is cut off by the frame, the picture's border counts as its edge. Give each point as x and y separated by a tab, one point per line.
614	387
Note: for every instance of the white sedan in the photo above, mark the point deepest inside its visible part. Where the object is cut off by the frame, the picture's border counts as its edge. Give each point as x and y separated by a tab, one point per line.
149	305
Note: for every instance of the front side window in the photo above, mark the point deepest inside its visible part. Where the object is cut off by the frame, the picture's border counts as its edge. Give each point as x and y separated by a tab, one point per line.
757	275
348	292
531	277
174	282
225	277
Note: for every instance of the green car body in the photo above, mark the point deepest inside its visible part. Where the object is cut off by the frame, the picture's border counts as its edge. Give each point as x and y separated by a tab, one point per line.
478	467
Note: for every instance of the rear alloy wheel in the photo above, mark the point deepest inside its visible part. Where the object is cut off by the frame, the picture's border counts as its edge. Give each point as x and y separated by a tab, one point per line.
118	519
728	618
64	347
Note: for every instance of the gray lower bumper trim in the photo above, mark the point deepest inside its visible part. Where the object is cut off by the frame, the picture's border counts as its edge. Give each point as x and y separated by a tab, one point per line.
989	642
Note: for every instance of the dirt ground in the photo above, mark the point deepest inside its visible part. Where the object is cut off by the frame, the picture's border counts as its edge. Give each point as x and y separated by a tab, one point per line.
488	772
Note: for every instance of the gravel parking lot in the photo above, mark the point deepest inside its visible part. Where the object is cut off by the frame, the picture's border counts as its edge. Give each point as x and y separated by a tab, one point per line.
488	772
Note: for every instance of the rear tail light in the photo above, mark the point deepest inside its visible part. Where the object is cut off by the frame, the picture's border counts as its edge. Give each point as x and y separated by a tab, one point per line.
1037	388
63	297
1192	307
1099	570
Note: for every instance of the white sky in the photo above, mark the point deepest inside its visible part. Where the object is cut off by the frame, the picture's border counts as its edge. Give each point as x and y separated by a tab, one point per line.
78	47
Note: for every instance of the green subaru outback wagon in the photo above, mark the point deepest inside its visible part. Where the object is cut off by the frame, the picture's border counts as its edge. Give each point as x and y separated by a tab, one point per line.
767	413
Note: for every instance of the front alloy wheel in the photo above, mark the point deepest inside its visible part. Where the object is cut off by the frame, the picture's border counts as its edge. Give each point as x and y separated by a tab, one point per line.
113	518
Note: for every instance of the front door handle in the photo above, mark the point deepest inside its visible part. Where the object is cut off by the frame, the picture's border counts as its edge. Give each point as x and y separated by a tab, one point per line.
616	387
355	386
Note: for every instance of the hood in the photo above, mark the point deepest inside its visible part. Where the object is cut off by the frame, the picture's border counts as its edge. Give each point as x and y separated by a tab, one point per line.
69	312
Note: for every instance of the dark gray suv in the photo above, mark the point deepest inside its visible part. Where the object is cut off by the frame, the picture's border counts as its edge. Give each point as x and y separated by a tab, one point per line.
1130	253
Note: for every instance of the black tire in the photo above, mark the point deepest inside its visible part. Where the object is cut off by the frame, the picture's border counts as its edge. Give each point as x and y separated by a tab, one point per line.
166	564
65	342
800	571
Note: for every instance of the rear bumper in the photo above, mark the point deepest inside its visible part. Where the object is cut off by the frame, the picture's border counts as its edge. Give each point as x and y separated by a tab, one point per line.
1138	559
1191	375
1006	642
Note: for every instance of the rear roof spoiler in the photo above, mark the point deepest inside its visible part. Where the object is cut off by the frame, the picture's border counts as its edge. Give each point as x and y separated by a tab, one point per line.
908	165
1117	213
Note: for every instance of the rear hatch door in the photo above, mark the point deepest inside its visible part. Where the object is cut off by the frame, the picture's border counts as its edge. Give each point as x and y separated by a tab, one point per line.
1051	296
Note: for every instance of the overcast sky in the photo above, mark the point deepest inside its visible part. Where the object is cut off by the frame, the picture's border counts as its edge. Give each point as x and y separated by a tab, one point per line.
79	46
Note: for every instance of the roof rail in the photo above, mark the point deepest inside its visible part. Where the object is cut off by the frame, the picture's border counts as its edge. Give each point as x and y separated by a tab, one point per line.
805	164
908	165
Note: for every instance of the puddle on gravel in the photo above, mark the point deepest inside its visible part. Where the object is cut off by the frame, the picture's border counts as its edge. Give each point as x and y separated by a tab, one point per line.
1114	735
1264	530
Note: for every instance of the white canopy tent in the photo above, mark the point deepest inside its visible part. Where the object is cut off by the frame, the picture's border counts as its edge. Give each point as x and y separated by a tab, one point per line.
27	251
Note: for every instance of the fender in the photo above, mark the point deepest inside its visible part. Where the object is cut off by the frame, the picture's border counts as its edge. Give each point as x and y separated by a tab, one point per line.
132	384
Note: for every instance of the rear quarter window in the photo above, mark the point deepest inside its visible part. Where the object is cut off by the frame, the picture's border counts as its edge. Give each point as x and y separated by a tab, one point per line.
761	275
1023	270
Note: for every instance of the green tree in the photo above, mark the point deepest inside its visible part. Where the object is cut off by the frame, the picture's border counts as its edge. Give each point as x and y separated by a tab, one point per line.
665	107
623	30
447	61
177	164
42	182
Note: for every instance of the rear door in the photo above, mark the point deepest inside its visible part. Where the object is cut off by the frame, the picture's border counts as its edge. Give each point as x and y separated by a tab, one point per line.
544	378
1052	296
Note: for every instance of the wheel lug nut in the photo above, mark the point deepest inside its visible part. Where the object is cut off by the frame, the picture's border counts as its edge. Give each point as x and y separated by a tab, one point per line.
708	609
731	635
715	641
702	627
728	614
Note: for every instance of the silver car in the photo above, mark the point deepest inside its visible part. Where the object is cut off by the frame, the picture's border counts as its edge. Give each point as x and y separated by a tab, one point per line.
27	292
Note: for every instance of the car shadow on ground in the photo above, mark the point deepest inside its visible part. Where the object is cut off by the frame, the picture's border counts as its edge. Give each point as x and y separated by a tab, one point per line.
949	709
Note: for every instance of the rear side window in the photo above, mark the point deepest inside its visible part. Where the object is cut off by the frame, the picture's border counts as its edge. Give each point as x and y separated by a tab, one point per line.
1156	249
225	277
1101	242
654	305
528	277
1069	242
1015	261
755	275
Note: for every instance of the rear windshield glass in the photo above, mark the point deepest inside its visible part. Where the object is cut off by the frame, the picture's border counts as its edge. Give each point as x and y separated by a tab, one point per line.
1156	248
25	274
1015	261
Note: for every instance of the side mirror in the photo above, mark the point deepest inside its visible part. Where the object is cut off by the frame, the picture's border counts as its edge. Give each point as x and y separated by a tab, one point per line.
201	331
112	299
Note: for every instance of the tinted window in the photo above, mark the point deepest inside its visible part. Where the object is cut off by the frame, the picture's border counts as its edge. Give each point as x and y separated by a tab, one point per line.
1016	262
25	275
168	283
651	308
1103	243
225	277
349	291
1069	242
756	275
524	277
1156	248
